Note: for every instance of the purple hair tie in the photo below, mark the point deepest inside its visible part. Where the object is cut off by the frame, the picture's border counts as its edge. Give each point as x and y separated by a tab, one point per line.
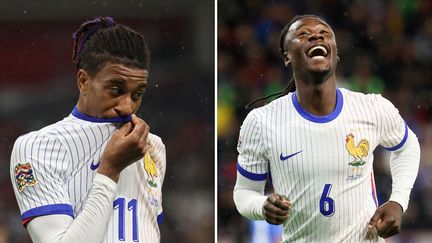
94	25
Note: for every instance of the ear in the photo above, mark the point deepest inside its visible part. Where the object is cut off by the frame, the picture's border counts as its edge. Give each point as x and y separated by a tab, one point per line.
337	55
286	58
83	79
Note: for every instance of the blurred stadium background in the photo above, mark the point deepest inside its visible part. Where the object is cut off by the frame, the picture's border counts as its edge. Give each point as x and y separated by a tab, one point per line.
37	88
384	46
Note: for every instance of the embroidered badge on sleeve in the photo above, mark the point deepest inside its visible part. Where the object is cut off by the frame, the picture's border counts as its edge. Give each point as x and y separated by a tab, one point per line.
24	176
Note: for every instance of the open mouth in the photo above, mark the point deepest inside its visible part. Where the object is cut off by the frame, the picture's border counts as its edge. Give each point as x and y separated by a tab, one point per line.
317	52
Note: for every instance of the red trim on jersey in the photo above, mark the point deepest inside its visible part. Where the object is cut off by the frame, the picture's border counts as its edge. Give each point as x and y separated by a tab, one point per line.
26	221
374	196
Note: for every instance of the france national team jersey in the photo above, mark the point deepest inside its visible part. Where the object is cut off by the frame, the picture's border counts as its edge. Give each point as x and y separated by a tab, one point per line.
323	164
53	170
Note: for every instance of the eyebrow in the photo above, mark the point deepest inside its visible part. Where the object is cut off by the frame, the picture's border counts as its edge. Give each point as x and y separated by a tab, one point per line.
122	82
117	81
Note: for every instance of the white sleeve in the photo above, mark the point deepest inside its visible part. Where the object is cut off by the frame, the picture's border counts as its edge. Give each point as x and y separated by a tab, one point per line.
249	197
404	165
252	158
393	128
36	170
403	144
88	226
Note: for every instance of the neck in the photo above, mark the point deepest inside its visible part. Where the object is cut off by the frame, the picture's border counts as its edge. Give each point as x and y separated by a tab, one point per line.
318	97
80	106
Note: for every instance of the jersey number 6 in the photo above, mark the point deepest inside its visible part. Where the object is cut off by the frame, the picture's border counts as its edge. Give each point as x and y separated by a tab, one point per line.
327	207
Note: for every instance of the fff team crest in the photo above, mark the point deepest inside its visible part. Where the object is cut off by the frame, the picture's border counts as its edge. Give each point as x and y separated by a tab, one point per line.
150	166
24	176
358	152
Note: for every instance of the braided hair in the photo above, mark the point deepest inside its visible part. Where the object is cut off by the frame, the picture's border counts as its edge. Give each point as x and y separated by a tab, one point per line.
291	84
101	40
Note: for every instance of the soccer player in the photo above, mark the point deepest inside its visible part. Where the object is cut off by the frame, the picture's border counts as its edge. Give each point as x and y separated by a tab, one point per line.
96	175
316	143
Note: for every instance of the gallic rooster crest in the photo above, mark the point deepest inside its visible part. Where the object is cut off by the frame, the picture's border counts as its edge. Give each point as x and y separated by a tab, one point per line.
358	152
150	167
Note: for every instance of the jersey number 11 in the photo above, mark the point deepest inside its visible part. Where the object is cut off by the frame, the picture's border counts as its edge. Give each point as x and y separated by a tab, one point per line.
119	204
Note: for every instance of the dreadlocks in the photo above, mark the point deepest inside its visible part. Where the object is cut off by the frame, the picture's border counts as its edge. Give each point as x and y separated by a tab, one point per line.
102	40
291	84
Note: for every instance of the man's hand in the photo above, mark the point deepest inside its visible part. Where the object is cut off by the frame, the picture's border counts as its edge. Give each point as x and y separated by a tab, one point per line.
387	219
127	144
276	208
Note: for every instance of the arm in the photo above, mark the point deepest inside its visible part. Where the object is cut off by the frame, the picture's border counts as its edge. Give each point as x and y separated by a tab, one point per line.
251	203
404	165
404	162
249	197
252	174
88	226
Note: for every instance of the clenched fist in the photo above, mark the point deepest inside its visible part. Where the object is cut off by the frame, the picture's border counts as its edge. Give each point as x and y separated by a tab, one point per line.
276	209
127	144
386	221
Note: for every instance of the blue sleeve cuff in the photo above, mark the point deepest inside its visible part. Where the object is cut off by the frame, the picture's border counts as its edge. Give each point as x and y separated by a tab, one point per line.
252	176
402	142
48	210
160	218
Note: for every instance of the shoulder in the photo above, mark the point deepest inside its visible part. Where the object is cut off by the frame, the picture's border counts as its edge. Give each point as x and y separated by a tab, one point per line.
156	140
156	145
33	148
278	104
376	101
56	129
38	137
157	149
47	136
272	108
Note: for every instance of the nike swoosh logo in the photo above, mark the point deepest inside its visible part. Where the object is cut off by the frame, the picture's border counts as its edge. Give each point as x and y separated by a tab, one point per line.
289	156
94	166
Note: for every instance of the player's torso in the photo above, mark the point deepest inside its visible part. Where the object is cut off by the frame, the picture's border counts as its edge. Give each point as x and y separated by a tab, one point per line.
138	195
324	166
138	202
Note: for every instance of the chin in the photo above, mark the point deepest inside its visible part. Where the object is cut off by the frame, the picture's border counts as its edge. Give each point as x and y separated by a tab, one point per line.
320	70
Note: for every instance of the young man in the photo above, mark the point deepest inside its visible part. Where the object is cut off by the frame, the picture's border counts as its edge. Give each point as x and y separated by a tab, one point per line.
317	144
96	175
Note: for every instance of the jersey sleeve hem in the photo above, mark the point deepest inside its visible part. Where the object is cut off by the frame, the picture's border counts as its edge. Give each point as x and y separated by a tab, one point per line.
160	218
47	210
250	175
394	148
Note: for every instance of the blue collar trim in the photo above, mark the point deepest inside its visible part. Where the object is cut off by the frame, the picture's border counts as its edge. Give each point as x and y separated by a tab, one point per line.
320	119
84	117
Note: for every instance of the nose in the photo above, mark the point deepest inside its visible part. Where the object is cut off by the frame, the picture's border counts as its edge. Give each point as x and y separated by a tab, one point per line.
124	106
316	36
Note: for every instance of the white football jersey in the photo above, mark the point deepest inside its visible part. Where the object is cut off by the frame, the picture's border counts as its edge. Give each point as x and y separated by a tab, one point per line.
53	169
323	164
